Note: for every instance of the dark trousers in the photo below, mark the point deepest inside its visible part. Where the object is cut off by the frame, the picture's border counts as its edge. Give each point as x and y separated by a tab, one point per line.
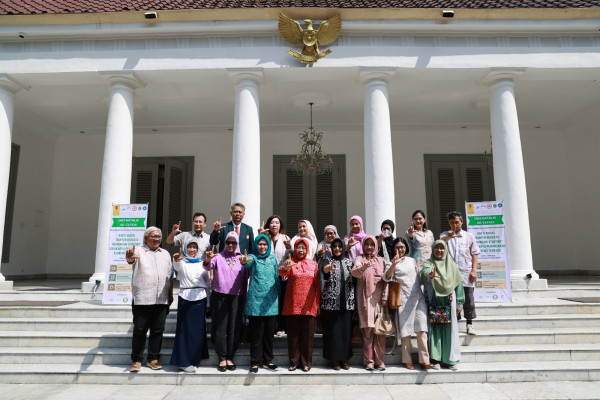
146	317
227	319
301	338
469	306
261	331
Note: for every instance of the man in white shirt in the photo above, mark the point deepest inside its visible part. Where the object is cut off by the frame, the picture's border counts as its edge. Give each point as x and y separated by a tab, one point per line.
463	249
178	238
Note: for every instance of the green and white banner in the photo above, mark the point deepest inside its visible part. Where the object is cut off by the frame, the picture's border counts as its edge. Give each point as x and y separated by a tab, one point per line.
127	230
485	220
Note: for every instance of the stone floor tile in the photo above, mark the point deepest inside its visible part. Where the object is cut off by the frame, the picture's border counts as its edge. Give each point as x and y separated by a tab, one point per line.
196	392
263	392
576	390
308	392
146	392
344	392
403	392
87	392
528	390
472	391
34	392
7	387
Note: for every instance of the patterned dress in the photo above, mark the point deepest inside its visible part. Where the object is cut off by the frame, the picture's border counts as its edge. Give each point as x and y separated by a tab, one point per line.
412	314
420	246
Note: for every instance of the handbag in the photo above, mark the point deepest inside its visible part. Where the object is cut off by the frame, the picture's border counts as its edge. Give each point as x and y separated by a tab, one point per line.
394	301
384	324
439	315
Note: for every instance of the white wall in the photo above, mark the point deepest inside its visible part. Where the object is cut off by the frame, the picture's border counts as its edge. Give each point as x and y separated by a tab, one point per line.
30	225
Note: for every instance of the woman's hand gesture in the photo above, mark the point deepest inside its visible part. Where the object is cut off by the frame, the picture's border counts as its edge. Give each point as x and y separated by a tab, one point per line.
210	254
366	265
351	243
244	258
287	243
288	263
130	255
411	231
177	256
262	230
432	274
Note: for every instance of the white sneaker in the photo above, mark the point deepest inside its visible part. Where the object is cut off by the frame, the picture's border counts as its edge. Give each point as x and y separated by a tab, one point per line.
191	368
471	330
436	366
453	367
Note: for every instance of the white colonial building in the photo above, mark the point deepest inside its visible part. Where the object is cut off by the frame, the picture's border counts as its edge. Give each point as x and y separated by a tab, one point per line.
202	105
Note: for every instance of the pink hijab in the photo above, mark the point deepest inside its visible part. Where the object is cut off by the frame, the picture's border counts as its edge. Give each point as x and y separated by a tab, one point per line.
356	250
237	247
374	274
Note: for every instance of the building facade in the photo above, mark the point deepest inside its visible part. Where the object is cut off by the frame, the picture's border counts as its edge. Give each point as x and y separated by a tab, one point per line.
202	106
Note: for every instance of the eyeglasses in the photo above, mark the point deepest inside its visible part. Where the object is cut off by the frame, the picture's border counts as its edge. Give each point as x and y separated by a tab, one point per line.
230	243
155	237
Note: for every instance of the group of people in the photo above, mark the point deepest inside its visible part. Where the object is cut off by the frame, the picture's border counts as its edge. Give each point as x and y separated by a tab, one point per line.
282	285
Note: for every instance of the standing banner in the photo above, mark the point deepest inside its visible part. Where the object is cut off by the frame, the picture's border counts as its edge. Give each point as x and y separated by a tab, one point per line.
127	230
485	220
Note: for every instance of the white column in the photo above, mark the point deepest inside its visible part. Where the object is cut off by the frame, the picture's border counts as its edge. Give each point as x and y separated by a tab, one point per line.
245	169
509	176
116	165
8	88
380	202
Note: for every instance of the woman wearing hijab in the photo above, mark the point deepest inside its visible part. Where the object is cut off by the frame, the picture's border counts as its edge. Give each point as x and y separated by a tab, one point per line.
371	295
227	300
386	239
262	305
443	285
301	305
325	245
280	244
306	231
337	305
194	287
411	317
354	239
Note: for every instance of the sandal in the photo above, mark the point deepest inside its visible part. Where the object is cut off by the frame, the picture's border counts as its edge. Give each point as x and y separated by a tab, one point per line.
410	366
306	368
292	368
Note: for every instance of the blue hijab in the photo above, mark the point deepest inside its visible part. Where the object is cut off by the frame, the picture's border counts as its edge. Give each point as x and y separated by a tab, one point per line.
255	248
188	259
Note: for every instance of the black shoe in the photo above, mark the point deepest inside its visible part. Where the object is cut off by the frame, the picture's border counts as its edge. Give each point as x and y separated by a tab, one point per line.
254	369
221	368
270	366
231	367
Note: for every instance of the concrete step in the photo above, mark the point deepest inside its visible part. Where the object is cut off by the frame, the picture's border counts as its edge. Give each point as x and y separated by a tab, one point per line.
94	309
491	337
470	354
125	325
208	375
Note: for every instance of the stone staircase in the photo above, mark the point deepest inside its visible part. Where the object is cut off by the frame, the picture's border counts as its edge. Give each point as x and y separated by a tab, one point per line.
538	337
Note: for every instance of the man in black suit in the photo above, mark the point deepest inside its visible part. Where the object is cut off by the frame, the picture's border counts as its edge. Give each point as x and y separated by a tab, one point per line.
238	210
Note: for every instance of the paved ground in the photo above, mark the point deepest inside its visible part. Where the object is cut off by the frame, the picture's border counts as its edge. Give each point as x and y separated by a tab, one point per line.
462	391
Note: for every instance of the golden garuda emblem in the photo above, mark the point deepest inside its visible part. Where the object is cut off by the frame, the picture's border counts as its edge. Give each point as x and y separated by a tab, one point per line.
310	38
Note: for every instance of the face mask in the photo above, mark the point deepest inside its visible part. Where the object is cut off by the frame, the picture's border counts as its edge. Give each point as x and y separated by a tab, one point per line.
387	233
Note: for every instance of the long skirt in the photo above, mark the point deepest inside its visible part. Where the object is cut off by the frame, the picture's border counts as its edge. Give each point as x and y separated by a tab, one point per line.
337	334
190	336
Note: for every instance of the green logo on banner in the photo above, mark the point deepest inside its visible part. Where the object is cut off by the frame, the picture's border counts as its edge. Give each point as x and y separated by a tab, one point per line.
485	220
128	222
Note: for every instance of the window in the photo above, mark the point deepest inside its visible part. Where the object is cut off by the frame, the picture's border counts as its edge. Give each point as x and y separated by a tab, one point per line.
166	185
321	199
452	180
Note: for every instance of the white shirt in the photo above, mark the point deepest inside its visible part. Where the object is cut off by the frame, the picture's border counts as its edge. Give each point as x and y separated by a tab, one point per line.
194	281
